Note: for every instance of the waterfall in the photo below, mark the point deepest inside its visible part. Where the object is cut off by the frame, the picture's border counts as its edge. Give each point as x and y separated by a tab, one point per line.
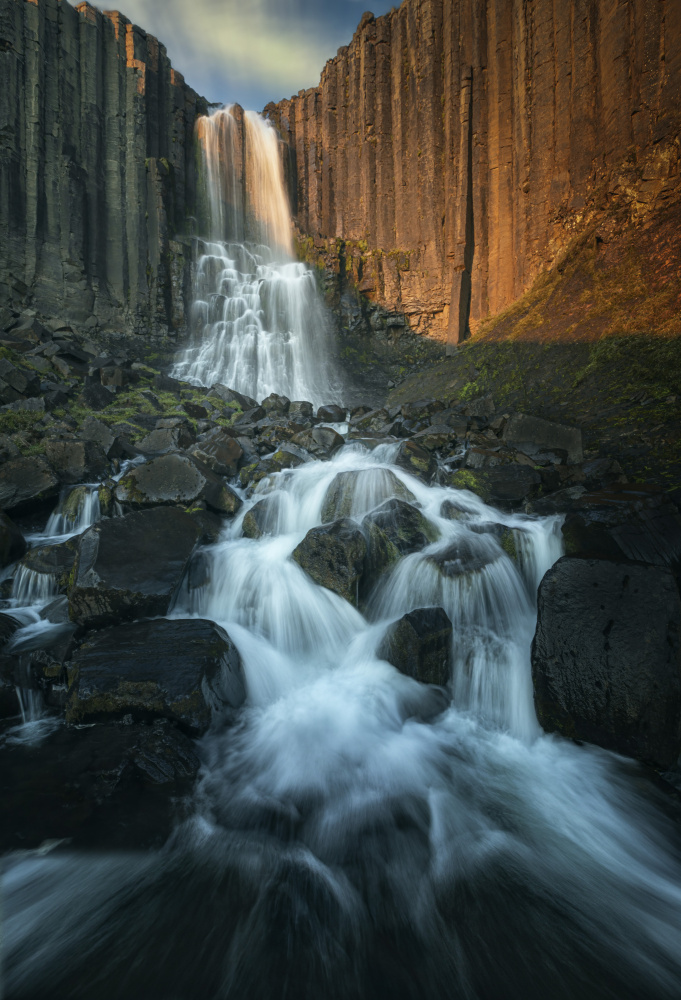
259	323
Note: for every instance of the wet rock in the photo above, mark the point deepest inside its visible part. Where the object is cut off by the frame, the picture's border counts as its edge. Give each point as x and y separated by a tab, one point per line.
505	536
130	567
466	554
257	521
352	493
629	522
12	542
404	525
437	438
536	437
176	479
481	407
374	420
416	460
507	486
419	645
301	410
322	442
26	480
54	560
331	414
57	611
276	404
178	670
8	626
237	399
453	511
333	555
251	416
105	786
421	409
76	461
170	436
487	458
220	451
8	449
210	524
195	410
606	657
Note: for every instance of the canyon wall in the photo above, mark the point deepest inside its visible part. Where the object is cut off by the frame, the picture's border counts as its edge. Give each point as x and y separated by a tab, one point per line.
453	148
97	172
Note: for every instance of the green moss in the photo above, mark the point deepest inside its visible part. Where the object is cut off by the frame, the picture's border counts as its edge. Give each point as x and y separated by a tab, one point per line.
13	421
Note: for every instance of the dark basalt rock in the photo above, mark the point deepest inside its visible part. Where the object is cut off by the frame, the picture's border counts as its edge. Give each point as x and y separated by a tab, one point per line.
105	786
331	414
536	437
606	657
404	525
466	554
419	645
237	399
97	397
130	567
54	560
417	460
359	491
506	486
334	555
77	461
221	452
163	439
178	670
301	410
176	479
26	480
322	442
276	404
12	542
261	519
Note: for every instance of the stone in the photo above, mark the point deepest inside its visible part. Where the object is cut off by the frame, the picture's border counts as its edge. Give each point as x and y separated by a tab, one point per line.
237	399
333	555
416	460
94	430
8	449
258	520
322	442
536	437
12	542
419	645
183	671
331	414
276	404
356	492
221	452
606	657
56	561
131	567
251	416
506	486
481	407
466	554
175	479
405	526
97	396
112	786
76	461
301	410
165	439
20	382
26	480
436	438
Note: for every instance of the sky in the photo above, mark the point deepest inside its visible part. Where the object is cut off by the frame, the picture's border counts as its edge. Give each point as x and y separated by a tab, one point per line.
251	51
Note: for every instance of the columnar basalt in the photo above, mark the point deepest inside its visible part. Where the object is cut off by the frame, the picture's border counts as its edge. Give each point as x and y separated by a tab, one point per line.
453	148
97	172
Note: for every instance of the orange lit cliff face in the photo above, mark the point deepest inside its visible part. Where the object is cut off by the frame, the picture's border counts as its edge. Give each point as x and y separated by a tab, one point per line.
458	145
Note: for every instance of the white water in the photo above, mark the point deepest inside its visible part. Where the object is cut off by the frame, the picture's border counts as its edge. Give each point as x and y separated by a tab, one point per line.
338	839
259	323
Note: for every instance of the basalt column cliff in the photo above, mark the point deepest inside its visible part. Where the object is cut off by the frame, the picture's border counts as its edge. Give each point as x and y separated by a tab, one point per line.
452	150
96	170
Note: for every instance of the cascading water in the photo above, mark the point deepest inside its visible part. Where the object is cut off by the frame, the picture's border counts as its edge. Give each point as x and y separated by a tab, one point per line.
350	837
259	323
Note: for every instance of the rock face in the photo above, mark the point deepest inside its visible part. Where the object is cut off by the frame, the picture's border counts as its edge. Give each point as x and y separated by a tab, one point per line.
606	657
178	670
130	567
455	146
419	645
96	169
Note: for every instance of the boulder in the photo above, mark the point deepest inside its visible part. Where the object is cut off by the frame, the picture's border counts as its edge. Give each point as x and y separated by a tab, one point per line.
256	521
507	486
333	555
8	449
322	442
356	492
416	460
98	432
220	452
177	670
536	437
131	567
301	411
437	438
331	414
76	461
97	397
276	404
419	645
175	479
405	526
12	542
26	480
112	786
170	436
195	410
236	399
56	561
606	657
466	554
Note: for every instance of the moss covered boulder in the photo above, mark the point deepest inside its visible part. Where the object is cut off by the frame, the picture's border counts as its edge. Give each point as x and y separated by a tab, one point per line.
356	492
25	481
419	645
506	486
334	556
176	479
405	526
178	670
416	460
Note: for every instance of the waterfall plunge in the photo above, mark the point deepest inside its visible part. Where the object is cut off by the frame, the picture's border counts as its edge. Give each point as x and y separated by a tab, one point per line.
259	324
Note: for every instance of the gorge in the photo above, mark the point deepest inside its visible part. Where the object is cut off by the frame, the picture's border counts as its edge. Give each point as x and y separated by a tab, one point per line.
309	688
